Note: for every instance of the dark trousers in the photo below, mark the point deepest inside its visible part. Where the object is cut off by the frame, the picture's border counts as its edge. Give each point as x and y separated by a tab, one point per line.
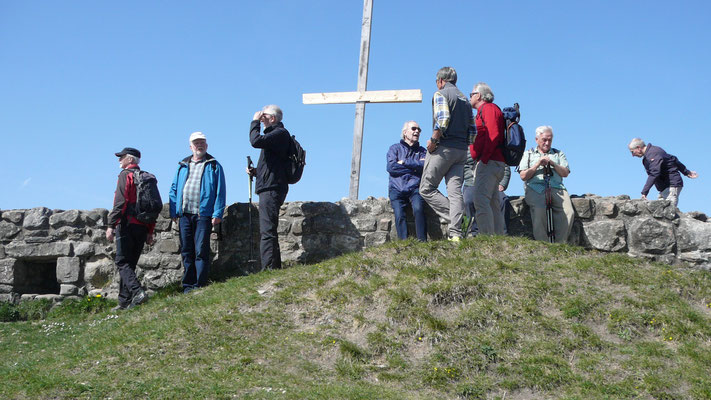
195	249
398	200
269	203
130	239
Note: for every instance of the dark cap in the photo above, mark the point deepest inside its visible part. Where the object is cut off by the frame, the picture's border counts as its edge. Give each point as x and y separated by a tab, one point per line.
129	150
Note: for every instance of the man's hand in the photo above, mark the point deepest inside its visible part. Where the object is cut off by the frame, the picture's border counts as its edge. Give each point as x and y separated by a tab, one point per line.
150	239
431	147
258	116
216	221
501	188
693	175
644	197
110	234
401	162
251	171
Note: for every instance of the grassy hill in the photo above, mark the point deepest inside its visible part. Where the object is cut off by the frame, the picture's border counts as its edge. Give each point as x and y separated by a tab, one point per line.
490	317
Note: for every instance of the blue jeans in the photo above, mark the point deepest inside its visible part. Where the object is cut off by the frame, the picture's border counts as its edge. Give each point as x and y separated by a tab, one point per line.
195	249
398	200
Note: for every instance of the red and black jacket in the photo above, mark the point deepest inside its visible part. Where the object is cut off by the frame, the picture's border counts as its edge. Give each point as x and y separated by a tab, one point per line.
124	197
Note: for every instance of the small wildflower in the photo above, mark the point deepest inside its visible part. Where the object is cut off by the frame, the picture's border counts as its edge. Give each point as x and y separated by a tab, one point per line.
98	295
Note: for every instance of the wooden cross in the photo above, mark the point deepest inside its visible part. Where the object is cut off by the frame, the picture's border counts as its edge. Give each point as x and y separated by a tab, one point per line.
361	97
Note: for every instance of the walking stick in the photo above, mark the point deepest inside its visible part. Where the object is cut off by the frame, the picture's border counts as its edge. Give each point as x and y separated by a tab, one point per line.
251	260
550	227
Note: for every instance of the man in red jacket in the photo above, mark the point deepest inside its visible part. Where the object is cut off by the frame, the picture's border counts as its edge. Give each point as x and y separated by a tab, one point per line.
130	233
488	159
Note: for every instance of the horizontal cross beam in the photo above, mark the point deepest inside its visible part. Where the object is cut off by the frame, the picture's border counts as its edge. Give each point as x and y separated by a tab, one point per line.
372	96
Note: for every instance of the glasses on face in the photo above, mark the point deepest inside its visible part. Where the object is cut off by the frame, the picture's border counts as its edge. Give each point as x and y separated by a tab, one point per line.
473	93
415	129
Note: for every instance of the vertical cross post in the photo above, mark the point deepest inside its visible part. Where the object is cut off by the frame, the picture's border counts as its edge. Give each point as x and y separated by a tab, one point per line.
360	105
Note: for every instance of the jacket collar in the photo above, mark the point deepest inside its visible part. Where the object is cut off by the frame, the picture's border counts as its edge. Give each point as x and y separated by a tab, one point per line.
208	158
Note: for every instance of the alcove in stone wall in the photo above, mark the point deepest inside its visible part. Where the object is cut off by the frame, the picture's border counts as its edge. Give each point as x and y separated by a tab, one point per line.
36	277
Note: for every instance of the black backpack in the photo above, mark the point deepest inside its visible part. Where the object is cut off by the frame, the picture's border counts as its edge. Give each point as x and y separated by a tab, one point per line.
148	202
514	144
297	160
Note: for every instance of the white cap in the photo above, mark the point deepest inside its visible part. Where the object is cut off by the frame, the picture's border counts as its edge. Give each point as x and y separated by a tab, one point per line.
197	135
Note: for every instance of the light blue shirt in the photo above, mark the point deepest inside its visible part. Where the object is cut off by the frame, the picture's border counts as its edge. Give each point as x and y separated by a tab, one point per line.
537	181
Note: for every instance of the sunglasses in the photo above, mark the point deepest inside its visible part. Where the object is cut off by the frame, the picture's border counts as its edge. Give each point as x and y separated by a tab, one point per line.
415	129
473	93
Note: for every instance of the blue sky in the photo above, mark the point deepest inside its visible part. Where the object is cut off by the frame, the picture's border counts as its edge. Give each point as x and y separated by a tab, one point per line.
83	79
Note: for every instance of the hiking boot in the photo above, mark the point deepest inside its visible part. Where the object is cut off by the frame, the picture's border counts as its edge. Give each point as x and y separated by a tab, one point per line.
139	298
118	308
455	239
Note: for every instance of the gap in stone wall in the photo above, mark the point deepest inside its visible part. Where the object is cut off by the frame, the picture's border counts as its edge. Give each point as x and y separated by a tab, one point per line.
36	277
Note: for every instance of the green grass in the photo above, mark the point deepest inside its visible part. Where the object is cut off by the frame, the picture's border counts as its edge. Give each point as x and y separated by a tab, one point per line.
487	318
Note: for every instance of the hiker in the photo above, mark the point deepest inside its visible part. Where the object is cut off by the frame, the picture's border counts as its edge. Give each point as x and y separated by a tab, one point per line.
468	192
532	172
663	170
197	203
453	123
272	184
488	160
405	161
129	232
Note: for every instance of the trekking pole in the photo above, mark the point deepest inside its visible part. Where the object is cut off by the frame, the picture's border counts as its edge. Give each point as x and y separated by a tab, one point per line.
251	260
550	227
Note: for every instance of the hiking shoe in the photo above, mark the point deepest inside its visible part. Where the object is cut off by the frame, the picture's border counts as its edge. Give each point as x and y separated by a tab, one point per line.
455	239
139	298
118	308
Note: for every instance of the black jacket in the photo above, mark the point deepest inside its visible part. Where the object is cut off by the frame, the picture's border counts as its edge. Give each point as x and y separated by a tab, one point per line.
663	169
273	160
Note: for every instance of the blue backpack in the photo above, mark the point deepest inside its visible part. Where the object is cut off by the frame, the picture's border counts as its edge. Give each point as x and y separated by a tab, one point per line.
514	144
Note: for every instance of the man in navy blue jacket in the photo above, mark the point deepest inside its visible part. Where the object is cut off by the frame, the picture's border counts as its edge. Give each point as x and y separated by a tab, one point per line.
663	170
272	185
405	161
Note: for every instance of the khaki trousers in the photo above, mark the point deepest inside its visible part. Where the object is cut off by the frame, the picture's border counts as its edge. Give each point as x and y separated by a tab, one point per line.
672	194
562	214
487	202
447	163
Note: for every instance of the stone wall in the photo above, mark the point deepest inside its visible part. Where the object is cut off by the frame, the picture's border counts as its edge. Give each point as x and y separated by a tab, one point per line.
56	254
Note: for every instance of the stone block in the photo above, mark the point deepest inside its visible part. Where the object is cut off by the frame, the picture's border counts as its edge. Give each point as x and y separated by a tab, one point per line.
375	238
5	288
384	224
366	224
68	290
27	297
584	208
8	230
163	225
695	257
39	250
171	261
37	218
293	209
606	235
68	269
650	236
311	209
345	243
662	209
95	218
606	208
7	270
51	297
14	216
2	251
149	261
9	297
67	233
693	234
84	249
329	224
156	279
99	272
169	246
350	207
629	208
698	215
65	218
283	226
297	226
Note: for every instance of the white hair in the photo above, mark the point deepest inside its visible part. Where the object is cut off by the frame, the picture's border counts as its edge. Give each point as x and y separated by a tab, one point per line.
404	128
636	142
134	159
485	91
273	109
542	129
